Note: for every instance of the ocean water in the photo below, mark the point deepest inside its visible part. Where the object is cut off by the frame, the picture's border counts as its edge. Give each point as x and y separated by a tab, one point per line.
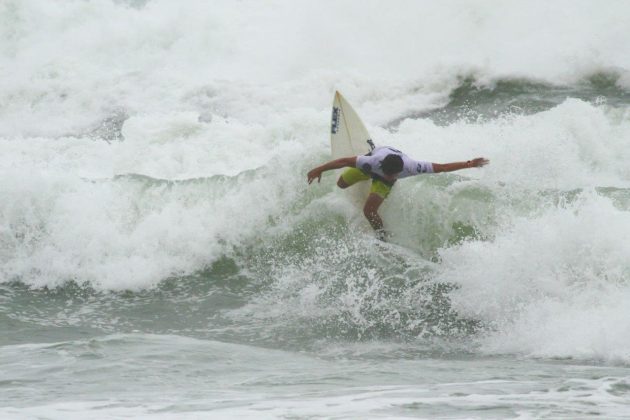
162	256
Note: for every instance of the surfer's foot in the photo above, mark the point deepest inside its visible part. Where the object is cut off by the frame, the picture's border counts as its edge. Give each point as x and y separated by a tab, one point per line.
382	235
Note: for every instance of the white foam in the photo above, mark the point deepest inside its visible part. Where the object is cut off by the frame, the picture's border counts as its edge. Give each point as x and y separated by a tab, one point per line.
573	145
66	65
551	285
66	218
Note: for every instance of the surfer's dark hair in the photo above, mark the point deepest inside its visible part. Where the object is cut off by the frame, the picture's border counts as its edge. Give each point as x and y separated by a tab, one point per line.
392	164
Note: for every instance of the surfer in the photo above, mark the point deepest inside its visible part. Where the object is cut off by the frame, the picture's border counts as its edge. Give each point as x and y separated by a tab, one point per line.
384	165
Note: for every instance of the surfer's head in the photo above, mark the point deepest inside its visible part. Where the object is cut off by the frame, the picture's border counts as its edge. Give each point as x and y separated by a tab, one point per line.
392	164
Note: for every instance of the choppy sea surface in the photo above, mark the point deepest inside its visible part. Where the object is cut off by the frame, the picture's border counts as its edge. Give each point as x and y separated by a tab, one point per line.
162	256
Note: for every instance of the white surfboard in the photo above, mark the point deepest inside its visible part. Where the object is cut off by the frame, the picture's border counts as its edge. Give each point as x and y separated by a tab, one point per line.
349	137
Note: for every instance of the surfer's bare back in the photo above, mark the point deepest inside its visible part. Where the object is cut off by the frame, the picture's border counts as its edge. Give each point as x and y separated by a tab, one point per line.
384	165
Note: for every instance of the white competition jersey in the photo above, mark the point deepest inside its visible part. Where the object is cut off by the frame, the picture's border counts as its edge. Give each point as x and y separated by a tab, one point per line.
371	163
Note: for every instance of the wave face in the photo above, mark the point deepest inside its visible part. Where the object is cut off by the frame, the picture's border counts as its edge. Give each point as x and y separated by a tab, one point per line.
154	158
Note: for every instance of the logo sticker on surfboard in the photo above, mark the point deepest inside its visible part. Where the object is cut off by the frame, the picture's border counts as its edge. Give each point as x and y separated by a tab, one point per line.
334	124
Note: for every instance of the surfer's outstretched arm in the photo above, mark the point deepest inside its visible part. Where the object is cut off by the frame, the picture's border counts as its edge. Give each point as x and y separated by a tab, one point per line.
333	164
456	166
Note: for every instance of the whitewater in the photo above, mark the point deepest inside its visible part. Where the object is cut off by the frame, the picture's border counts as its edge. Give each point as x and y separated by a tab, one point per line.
162	255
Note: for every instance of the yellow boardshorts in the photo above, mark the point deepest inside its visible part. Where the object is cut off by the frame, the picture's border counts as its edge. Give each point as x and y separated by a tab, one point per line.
353	175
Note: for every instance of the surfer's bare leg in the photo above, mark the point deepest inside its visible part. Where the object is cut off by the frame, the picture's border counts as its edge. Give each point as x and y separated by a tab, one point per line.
370	210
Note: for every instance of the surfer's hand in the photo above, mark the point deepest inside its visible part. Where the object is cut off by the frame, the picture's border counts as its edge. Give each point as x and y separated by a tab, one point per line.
478	162
315	173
